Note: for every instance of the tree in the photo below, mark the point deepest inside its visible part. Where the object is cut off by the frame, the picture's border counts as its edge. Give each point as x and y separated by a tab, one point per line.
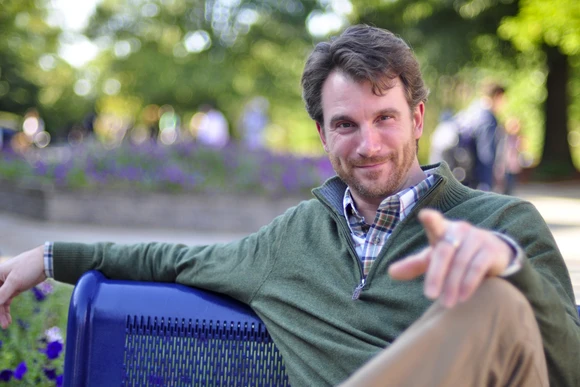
554	28
24	36
32	75
184	53
451	37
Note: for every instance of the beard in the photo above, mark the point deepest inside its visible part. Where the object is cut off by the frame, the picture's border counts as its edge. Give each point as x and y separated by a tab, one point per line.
374	185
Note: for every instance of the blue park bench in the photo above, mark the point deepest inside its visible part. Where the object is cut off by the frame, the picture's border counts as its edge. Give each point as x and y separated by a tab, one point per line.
127	333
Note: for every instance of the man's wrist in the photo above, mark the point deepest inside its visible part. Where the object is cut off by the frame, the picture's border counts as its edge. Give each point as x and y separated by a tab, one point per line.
517	258
48	259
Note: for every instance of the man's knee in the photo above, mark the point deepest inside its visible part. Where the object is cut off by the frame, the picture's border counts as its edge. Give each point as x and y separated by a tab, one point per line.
497	293
494	300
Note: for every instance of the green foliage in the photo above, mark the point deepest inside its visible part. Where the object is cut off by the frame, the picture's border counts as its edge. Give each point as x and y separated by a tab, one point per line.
23	38
555	22
32	75
13	168
186	53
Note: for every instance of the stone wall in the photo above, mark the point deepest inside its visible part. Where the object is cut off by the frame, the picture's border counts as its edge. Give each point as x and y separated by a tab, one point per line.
226	213
29	201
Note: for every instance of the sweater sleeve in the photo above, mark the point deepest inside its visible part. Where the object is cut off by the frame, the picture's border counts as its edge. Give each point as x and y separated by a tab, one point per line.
237	269
545	281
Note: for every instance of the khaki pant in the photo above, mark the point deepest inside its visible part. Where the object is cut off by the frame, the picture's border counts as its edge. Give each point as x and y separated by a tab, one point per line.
490	340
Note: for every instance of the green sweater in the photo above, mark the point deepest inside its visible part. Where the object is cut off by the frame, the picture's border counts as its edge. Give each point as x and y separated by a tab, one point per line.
299	273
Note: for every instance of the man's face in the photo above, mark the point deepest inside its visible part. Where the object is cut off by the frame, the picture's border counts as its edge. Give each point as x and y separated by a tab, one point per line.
370	139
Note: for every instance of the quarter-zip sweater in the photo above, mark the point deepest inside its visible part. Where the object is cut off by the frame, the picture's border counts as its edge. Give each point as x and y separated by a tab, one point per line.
299	274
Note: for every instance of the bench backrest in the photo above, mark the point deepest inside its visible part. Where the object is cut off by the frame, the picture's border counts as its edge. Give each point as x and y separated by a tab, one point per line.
127	333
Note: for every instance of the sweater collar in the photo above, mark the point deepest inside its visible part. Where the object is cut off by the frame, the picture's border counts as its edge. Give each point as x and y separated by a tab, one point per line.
451	193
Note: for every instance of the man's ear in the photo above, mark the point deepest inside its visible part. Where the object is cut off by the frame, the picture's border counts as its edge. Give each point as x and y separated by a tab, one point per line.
322	136
418	120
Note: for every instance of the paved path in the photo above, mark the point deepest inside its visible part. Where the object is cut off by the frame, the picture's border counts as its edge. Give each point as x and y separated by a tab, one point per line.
559	204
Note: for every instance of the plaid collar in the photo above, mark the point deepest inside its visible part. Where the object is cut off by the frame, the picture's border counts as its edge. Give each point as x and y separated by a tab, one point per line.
370	238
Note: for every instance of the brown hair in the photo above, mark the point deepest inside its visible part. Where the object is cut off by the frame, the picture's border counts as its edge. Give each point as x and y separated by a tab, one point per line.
366	54
492	89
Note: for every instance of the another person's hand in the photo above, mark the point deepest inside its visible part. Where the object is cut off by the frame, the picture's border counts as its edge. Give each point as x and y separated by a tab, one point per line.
457	260
18	275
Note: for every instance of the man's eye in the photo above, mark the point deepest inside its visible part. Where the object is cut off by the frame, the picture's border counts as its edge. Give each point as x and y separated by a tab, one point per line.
384	118
344	125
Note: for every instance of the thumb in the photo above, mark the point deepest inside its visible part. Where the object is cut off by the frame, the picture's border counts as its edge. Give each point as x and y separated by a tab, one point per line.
7	293
7	286
411	266
434	223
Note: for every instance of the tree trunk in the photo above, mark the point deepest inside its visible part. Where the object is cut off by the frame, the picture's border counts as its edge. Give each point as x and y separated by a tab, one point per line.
556	157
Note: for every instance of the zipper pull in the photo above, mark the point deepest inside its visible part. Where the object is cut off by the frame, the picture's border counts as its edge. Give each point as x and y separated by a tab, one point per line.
358	290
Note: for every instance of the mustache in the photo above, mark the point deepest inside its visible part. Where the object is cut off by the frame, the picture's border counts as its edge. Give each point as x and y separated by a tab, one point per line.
362	161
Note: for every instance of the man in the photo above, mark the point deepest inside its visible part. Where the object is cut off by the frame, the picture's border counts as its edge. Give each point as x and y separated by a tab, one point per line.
339	278
479	124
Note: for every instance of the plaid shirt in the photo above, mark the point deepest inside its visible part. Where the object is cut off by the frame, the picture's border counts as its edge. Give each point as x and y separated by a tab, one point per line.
48	261
369	239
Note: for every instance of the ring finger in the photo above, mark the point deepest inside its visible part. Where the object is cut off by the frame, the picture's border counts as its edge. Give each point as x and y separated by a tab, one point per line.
441	257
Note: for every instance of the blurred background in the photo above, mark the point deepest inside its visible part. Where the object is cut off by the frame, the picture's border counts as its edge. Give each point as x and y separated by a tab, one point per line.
103	100
85	85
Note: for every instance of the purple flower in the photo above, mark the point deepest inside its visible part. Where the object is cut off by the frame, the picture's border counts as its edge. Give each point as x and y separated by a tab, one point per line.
45	287
59	381
50	373
41	290
23	324
53	334
289	179
130	173
173	174
20	371
325	168
53	349
60	173
38	294
6	375
40	168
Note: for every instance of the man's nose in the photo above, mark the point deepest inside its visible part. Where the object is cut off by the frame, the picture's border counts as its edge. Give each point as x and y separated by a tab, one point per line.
369	141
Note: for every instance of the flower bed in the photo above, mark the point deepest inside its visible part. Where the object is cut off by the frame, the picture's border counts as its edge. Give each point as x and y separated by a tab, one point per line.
182	186
31	349
184	167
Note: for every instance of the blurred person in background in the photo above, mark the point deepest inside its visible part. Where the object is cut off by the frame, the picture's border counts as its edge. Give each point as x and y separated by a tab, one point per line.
213	129
443	138
479	125
508	161
6	135
253	122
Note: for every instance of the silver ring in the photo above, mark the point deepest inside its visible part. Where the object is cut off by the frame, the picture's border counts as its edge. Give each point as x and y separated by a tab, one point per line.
455	243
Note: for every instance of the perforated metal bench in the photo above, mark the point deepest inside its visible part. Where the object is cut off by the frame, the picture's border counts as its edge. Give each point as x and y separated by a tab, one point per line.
127	333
